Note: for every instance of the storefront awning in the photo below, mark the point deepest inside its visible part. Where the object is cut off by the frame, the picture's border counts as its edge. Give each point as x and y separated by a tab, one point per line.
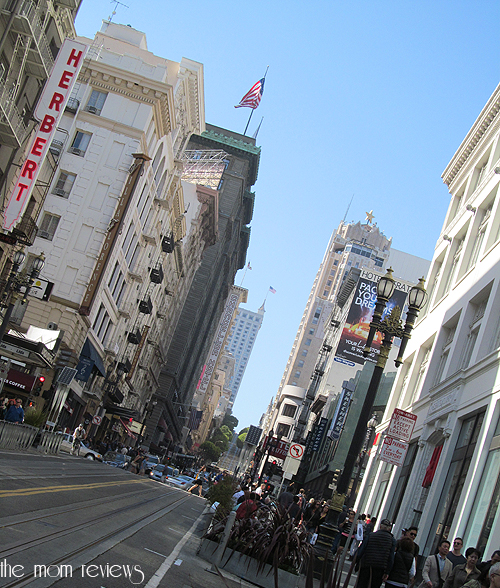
88	350
127	429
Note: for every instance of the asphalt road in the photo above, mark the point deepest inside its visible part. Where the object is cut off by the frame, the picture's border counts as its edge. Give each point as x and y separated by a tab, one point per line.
70	522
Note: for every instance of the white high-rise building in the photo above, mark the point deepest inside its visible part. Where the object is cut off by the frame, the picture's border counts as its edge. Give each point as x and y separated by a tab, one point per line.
240	343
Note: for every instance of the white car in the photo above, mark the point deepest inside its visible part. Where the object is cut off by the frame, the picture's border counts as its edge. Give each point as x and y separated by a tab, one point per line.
182	482
67	447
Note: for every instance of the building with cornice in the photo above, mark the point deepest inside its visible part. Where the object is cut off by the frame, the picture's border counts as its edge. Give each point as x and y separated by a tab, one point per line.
121	232
448	484
187	349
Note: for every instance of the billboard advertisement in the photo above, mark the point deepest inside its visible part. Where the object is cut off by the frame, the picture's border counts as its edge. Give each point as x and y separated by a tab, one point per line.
355	332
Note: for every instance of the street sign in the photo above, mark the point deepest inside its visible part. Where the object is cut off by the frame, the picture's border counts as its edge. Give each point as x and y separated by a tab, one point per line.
291	465
393	451
402	425
97	420
296	451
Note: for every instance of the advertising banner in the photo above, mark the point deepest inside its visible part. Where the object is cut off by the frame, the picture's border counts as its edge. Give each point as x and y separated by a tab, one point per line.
355	332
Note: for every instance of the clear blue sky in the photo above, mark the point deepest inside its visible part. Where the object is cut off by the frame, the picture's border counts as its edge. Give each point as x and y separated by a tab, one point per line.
362	98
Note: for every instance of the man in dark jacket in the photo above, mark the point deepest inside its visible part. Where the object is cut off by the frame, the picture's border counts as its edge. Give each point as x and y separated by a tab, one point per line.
376	556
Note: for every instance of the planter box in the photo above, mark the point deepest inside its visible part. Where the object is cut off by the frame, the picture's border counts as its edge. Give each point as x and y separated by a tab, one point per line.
246	567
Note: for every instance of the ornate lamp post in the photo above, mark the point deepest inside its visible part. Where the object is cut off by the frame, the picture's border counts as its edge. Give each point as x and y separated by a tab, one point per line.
16	281
391	326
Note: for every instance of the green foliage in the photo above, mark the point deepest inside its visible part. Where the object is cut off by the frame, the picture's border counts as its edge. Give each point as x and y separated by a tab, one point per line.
241	438
230	421
222	492
220	440
226	431
209	452
35	417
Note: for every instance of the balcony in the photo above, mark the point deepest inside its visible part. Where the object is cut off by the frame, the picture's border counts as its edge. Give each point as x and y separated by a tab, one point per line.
26	231
12	128
156	275
56	148
72	106
168	243
146	306
28	22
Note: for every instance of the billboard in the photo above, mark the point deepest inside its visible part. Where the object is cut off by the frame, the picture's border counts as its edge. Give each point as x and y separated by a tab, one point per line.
355	332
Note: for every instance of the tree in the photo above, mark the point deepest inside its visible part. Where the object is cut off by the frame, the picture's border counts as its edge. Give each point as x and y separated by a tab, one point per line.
227	432
220	440
209	451
230	421
242	435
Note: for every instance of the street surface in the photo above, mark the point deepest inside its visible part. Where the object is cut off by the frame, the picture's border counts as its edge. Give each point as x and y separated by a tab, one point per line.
70	522
73	523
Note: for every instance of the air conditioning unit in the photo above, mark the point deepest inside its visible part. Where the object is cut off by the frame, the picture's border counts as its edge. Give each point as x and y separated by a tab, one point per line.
77	151
52	326
44	235
60	192
92	109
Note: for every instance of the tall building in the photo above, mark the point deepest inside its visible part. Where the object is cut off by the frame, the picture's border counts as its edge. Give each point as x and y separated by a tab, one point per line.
240	343
448	483
352	245
187	348
119	230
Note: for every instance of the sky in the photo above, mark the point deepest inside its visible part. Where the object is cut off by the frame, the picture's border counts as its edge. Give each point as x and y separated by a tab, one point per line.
363	100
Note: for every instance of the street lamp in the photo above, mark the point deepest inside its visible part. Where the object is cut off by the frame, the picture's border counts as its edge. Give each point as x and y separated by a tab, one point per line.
17	281
391	326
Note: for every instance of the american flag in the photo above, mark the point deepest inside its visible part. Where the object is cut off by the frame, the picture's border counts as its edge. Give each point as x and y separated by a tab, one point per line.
272	290
253	96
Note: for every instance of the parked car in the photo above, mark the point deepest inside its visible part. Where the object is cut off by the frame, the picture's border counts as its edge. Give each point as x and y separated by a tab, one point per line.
67	446
117	460
162	473
151	462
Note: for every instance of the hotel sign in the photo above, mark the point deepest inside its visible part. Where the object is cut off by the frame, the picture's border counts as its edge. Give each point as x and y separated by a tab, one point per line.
48	112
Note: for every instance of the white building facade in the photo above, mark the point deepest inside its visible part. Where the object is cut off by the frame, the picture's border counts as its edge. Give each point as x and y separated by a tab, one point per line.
449	484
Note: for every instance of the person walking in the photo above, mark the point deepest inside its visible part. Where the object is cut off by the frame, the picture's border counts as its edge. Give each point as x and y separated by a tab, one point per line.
455	554
437	568
376	556
486	565
464	572
401	571
15	412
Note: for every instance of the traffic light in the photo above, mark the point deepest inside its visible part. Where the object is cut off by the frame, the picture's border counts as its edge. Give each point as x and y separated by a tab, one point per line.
38	385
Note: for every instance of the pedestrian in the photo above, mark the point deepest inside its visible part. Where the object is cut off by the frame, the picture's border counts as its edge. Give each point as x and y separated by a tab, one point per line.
437	568
486	565
494	575
247	508
79	435
455	554
344	531
411	533
401	571
376	556
197	485
294	510
15	412
285	499
462	573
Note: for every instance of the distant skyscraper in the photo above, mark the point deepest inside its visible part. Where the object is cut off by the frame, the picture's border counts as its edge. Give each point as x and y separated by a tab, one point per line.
240	343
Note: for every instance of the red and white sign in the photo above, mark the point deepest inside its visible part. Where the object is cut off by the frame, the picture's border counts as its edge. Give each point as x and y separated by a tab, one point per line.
277	449
393	451
402	425
296	451
48	111
96	420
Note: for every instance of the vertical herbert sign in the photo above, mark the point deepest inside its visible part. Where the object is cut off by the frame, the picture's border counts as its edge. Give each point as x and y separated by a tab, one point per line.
48	112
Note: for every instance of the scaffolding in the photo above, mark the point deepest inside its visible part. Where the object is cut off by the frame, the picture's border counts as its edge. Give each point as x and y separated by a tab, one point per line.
204	168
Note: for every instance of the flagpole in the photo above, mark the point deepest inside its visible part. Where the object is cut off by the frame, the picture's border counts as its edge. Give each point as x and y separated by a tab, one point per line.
244	274
250	117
